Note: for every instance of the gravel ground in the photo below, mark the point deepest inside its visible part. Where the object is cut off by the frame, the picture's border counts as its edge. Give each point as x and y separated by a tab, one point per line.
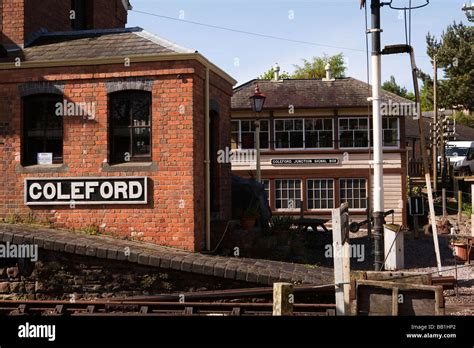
420	257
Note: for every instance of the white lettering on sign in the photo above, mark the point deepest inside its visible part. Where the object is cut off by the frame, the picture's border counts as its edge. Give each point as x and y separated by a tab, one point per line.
75	190
110	190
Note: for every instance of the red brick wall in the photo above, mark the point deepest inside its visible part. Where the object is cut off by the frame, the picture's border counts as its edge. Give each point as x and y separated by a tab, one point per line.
52	15
21	19
13	22
178	151
109	14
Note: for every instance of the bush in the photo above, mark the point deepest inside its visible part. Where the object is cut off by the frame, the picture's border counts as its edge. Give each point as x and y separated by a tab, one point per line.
281	223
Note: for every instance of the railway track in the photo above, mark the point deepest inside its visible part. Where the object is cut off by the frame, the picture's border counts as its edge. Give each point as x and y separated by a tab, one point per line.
134	308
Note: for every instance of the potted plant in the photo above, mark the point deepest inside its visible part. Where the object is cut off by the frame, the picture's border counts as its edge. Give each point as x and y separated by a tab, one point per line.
460	248
250	216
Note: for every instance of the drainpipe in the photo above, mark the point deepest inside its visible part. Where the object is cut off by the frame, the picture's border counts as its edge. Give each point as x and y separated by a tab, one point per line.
207	162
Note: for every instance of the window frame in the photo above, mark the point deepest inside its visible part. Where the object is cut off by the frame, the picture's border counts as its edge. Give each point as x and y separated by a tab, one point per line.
333	194
269	189
291	210
239	132
353	138
303	119
360	199
397	146
25	148
133	159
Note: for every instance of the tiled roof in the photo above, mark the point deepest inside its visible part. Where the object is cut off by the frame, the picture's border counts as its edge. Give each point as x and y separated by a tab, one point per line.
309	93
107	43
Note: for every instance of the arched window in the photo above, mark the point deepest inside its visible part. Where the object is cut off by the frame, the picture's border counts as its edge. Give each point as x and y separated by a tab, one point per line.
129	126
42	128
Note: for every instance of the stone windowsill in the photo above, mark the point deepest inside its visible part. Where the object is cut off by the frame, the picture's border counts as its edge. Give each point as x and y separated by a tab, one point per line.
130	167
43	168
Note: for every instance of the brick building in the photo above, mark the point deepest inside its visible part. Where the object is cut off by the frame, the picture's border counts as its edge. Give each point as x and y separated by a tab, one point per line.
105	126
315	138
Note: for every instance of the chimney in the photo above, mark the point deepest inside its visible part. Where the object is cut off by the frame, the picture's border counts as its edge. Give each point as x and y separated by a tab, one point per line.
276	72
329	76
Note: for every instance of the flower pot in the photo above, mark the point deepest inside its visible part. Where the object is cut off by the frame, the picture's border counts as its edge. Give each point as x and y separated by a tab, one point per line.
461	251
247	223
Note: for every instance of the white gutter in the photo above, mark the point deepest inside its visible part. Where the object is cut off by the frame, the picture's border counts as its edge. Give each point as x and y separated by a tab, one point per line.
207	162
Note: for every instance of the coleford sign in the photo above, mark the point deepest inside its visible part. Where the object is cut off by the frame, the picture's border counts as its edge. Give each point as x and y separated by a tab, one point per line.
85	191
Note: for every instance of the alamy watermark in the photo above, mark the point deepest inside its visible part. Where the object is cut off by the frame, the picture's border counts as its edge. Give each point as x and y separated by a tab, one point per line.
392	108
22	251
355	251
85	110
236	156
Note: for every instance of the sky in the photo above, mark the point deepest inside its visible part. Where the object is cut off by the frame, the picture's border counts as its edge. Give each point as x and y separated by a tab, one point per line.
332	26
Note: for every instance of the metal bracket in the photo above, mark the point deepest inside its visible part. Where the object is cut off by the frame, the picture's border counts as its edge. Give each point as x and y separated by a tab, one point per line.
371	31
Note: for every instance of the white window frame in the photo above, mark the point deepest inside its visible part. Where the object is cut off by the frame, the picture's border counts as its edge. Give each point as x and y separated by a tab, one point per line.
360	199
276	199
269	189
303	119
327	199
239	141
339	132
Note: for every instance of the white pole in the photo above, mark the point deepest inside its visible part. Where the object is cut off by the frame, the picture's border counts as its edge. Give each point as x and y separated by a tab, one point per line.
377	134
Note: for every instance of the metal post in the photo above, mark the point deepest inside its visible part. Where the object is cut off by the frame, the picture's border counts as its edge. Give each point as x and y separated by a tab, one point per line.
459	207
434	145
377	135
257	145
443	198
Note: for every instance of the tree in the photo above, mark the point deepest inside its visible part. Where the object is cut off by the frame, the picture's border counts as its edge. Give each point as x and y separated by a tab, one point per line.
455	55
269	74
392	86
316	68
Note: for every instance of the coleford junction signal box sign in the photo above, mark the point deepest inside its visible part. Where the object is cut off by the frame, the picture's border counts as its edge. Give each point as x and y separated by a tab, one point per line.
86	191
302	161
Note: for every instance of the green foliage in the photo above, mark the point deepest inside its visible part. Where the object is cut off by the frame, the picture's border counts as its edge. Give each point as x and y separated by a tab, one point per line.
455	55
467	209
392	86
315	68
464	119
13	219
268	75
148	281
281	223
92	230
30	219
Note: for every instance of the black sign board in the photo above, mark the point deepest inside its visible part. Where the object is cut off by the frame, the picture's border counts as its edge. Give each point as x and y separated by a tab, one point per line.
302	161
86	191
416	205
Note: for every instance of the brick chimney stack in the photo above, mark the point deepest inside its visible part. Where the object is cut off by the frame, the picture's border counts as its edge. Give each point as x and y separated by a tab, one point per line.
21	19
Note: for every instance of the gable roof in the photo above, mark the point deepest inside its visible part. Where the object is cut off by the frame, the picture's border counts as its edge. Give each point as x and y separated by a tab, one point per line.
103	46
309	93
84	44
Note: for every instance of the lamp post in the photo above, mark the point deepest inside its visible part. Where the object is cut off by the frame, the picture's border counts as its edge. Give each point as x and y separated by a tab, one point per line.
257	100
